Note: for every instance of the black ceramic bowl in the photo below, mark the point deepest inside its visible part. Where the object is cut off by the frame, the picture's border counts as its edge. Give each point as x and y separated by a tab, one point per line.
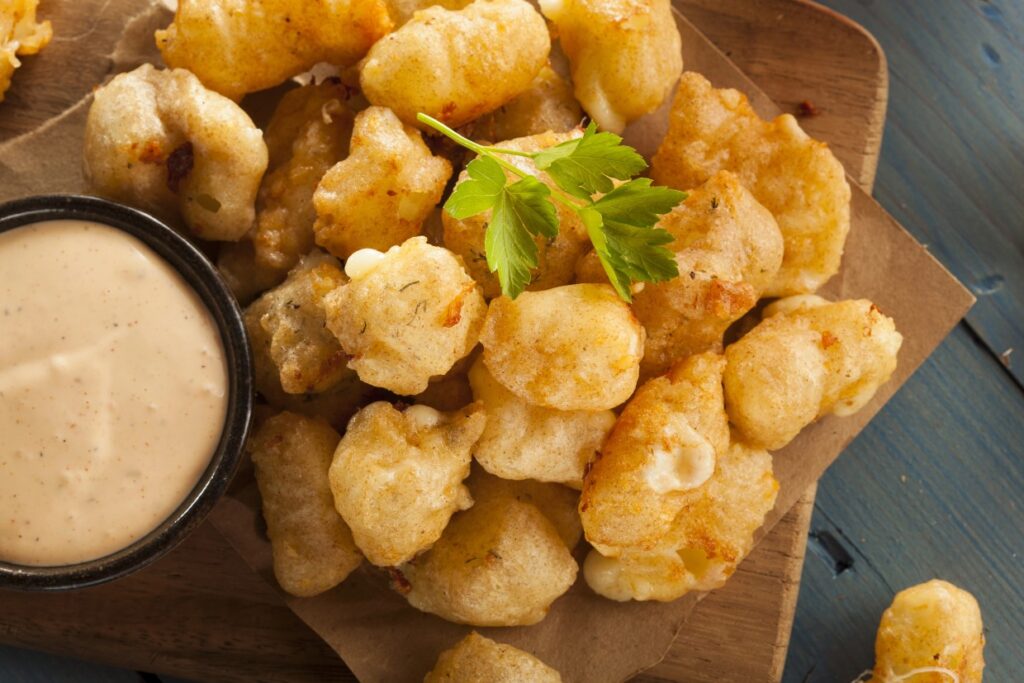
197	271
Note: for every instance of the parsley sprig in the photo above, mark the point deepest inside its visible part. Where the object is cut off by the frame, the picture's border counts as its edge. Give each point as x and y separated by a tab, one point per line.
620	222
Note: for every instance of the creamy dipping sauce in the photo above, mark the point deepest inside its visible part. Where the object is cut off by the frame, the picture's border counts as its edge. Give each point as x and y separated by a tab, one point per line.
113	391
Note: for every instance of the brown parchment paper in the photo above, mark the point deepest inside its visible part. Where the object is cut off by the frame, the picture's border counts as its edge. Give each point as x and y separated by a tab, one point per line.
382	639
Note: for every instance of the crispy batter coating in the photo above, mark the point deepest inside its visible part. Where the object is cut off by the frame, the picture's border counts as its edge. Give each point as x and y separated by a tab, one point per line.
476	659
524	441
500	563
806	359
456	65
381	194
556	258
402	10
728	248
20	34
663	446
162	142
313	548
625	55
795	177
240	46
291	323
406	316
246	277
711	535
557	502
576	347
397	476
308	133
933	627
447	393
548	105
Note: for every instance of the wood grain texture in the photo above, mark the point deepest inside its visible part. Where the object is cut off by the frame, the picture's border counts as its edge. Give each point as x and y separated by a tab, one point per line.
216	635
933	486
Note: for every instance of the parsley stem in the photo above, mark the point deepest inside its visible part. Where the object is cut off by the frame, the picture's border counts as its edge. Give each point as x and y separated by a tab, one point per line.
493	152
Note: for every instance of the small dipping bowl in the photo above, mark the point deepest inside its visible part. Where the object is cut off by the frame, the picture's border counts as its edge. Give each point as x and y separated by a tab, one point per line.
197	271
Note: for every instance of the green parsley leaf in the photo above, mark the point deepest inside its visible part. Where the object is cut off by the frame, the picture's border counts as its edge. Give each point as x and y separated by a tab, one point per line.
638	203
586	166
479	191
522	210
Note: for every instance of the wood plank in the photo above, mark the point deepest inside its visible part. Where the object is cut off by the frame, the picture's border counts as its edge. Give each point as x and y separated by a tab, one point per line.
932	488
952	173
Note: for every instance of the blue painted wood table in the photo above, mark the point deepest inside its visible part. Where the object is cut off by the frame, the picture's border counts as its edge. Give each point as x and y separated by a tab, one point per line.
933	486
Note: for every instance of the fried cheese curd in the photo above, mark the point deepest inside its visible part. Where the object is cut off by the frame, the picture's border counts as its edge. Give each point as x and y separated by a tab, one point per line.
457	65
406	315
932	633
397	476
290	321
307	135
402	10
663	446
548	105
382	192
558	503
312	546
624	55
525	441
710	536
160	141
794	176
728	249
241	46
556	258
576	347
806	359
20	34
246	277
476	659
500	563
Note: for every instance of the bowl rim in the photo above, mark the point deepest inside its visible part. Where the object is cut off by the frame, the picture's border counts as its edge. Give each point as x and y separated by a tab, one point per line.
204	279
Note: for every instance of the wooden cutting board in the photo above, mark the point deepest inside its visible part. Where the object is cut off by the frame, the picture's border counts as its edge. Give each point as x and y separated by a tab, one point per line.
200	613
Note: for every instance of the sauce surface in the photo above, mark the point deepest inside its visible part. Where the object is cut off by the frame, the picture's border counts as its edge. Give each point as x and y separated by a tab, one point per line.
113	391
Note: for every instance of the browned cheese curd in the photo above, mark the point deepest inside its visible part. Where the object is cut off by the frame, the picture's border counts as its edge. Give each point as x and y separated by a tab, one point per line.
113	391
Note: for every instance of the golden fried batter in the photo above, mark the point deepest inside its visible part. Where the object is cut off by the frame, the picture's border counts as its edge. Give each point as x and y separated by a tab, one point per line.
246	277
547	106
406	316
795	177
556	258
291	317
456	65
557	502
402	10
476	659
313	548
240	46
934	628
728	249
162	142
20	34
500	563
663	446
806	359
712	533
576	347
397	476
625	55
308	133
525	441
381	194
